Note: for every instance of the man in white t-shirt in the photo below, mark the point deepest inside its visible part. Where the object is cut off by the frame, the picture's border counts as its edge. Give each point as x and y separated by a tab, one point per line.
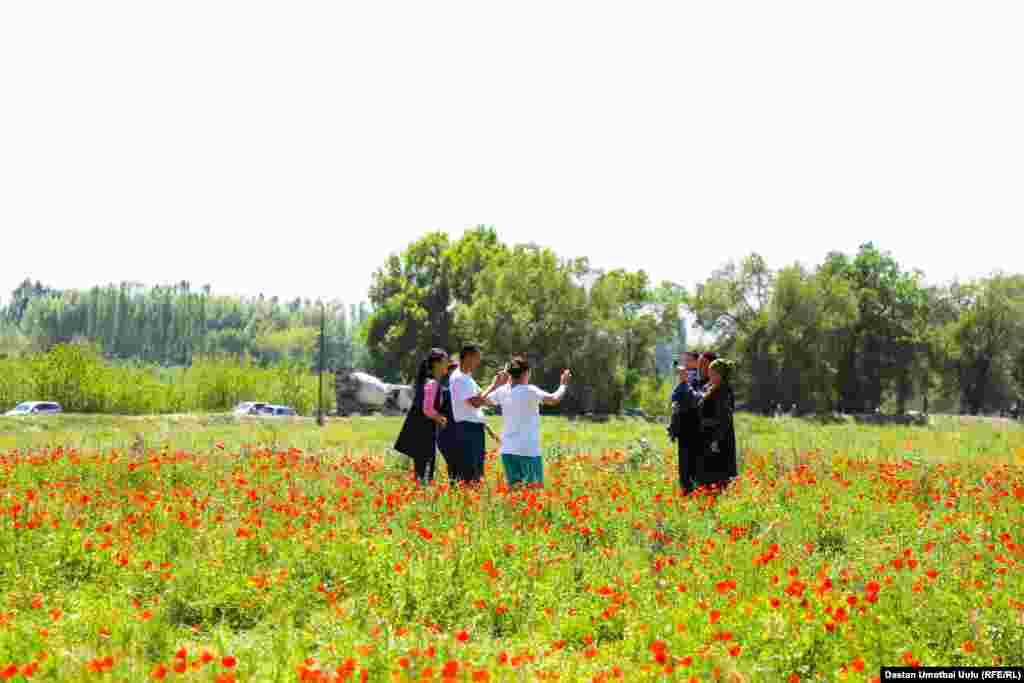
520	404
467	402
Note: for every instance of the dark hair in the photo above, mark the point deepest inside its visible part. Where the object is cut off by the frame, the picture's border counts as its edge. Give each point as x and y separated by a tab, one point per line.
518	366
691	354
710	355
468	350
432	357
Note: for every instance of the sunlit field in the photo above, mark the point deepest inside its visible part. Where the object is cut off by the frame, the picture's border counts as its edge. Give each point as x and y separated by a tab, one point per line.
207	548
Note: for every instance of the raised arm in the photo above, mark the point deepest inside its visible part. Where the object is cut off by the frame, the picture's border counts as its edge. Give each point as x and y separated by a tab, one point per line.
483	399
553	399
500	380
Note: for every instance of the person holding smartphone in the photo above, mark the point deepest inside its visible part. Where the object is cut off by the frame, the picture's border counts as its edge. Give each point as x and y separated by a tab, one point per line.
520	404
684	427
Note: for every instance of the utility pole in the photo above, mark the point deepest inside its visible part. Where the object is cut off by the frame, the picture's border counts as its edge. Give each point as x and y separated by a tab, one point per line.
320	395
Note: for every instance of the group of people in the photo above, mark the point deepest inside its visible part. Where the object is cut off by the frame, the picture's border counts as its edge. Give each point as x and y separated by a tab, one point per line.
703	405
447	415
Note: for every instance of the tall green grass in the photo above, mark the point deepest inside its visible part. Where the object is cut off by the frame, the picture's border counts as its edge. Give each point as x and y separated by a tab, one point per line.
80	379
784	439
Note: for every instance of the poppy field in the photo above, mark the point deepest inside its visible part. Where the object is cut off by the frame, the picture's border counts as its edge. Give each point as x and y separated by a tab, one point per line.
218	551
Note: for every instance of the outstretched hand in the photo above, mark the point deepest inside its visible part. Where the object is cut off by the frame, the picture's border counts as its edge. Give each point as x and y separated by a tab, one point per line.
566	376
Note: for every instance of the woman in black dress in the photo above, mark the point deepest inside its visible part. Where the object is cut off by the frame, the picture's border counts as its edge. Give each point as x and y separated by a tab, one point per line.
717	466
418	438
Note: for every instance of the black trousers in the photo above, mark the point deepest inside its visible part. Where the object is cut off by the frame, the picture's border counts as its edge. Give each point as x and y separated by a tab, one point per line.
689	451
448	445
424	464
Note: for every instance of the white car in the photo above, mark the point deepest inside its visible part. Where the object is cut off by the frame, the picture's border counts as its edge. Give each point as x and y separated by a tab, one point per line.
249	408
277	411
35	408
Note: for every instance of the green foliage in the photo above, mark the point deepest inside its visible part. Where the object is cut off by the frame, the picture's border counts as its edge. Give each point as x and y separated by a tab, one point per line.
77	377
415	294
651	396
606	327
312	557
858	334
988	341
171	325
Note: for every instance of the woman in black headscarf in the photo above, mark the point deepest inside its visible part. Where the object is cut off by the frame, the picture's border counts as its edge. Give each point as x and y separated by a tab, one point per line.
418	438
717	465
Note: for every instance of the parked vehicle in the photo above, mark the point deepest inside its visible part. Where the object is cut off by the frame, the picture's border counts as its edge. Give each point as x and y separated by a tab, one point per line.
249	408
35	408
277	411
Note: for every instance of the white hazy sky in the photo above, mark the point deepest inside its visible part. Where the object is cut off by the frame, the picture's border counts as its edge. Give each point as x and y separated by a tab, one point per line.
289	147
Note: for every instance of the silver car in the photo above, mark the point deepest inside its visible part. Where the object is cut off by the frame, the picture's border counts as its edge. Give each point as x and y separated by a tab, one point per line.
35	408
277	411
249	408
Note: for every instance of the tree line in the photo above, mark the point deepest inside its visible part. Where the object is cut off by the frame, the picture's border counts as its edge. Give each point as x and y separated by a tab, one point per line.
861	333
857	333
170	325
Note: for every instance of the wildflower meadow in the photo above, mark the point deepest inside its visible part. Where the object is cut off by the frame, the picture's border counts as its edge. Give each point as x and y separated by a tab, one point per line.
217	549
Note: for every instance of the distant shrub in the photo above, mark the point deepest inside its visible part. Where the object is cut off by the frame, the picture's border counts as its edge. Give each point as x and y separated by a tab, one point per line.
653	396
82	381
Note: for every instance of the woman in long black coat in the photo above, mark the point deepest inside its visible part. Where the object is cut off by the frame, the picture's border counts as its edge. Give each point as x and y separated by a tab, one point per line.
717	465
418	438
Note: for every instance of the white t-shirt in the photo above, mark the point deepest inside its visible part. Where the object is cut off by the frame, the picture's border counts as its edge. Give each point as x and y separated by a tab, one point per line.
520	409
463	386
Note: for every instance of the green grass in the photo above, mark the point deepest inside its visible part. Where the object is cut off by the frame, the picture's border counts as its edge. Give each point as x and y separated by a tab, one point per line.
946	438
297	561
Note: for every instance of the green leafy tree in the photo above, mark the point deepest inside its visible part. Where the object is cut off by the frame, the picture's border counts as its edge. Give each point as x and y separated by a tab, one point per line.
987	335
880	346
415	295
526	301
732	305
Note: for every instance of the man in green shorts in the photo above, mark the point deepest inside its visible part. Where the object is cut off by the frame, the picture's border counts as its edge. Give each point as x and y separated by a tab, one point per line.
520	404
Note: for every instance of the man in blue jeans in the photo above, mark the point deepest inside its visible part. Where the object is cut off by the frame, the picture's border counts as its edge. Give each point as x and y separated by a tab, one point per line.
467	403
